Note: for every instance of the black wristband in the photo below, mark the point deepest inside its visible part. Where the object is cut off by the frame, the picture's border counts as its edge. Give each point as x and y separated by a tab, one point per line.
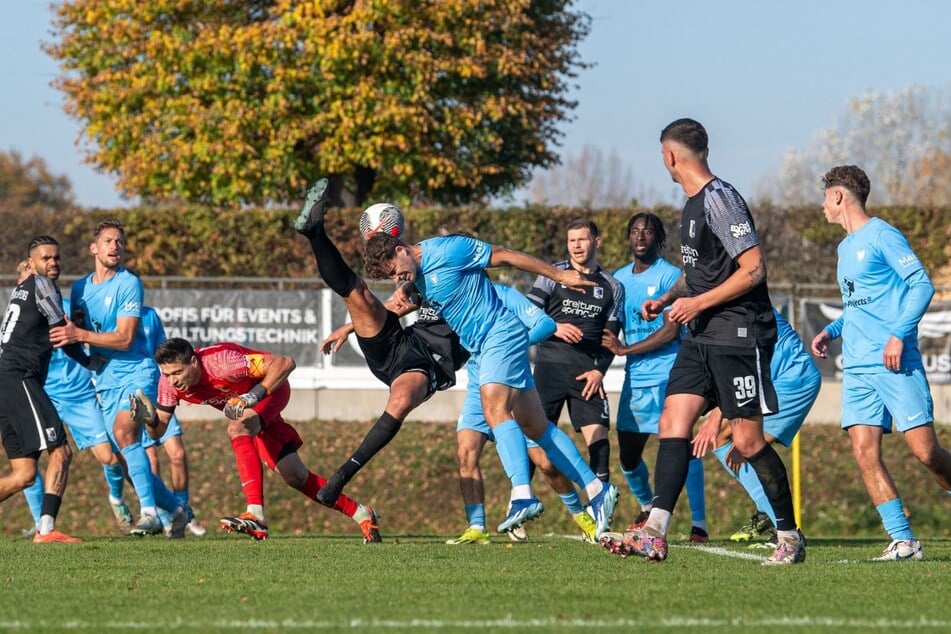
259	391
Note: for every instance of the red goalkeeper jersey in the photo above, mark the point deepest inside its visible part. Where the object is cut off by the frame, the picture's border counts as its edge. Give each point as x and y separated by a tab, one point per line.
227	370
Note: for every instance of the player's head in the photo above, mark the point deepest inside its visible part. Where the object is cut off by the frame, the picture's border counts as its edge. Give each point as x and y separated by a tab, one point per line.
178	363
850	178
43	256
24	270
683	142
584	239
647	235
386	257
108	246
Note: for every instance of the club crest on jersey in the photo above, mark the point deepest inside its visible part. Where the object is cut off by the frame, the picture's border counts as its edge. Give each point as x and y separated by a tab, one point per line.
433	278
692	231
860	255
50	434
651	290
598	292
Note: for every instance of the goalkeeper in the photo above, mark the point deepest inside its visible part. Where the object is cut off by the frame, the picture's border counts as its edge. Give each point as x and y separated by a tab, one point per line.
251	388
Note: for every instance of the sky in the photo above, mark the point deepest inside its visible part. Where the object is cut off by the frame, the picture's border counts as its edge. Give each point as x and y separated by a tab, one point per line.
762	76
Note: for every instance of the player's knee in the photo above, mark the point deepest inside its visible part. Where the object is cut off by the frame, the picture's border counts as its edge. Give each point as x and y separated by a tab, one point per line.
295	479
468	458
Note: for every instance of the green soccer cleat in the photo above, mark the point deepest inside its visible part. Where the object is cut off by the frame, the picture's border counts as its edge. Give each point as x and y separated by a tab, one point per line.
759	524
471	536
588	528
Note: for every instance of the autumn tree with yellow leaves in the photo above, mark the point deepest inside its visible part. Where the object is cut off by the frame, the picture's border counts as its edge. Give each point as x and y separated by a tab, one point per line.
230	102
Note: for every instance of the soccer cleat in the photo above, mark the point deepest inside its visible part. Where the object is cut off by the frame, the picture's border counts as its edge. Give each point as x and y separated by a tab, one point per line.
588	528
637	542
245	523
123	516
602	508
758	525
521	511
328	494
315	206
788	553
54	536
180	519
370	527
195	528
698	535
902	549
518	534
639	521
148	524
471	536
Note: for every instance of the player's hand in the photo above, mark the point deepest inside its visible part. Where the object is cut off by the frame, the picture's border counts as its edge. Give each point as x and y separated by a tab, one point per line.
820	344
575	280
406	296
892	353
651	309
685	309
706	437
569	333
236	405
734	460
142	409
610	342
64	335
334	341
592	384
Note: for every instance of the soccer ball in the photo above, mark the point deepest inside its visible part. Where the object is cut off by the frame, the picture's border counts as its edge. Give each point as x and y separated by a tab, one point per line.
382	218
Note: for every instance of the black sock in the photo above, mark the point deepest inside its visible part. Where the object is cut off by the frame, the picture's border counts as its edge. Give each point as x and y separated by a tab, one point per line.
334	271
670	472
599	458
50	505
771	472
631	448
379	436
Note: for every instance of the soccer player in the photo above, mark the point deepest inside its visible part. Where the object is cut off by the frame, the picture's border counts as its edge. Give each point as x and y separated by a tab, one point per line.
106	309
414	362
570	365
251	388
171	441
724	358
29	424
450	273
797	382
472	432
650	351
885	292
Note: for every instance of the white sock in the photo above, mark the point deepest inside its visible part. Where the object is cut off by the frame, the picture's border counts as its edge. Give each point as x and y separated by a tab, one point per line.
46	524
257	510
593	488
522	492
659	521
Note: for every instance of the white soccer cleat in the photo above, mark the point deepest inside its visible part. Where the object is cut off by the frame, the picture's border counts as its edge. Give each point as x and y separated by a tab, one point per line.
901	550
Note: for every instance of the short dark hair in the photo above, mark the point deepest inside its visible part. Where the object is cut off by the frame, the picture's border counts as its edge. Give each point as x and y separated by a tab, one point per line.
40	241
687	132
584	223
655	224
377	253
110	223
174	350
852	178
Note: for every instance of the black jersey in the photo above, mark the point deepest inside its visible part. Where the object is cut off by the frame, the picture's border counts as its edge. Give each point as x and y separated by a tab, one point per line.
441	340
715	228
35	306
592	311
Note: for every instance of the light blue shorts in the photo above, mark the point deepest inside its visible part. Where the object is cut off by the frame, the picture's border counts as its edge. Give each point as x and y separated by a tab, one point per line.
639	408
174	429
471	417
84	419
116	399
504	359
795	401
880	398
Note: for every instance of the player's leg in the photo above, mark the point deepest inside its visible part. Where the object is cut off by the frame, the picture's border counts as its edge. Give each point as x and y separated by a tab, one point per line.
57	473
173	443
565	490
469	446
592	417
637	419
698	504
34	500
407	391
241	433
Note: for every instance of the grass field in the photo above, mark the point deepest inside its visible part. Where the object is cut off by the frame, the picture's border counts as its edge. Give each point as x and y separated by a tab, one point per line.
417	583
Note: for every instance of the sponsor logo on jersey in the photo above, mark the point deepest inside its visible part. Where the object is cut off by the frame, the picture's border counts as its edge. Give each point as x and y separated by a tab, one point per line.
740	230
130	307
848	287
907	260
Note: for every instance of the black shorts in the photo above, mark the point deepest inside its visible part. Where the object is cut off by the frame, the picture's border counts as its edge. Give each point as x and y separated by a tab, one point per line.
393	352
29	423
556	385
736	380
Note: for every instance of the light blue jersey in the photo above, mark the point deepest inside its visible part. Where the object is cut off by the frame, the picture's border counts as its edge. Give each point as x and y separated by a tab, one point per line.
875	266
796	381
452	278
651	368
66	379
540	327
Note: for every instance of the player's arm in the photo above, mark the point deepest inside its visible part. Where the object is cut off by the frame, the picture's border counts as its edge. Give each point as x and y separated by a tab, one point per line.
750	272
272	369
659	338
654	307
503	256
119	339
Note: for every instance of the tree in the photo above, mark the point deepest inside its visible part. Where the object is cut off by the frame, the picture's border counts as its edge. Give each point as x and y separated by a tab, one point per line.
245	102
586	179
28	187
901	139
